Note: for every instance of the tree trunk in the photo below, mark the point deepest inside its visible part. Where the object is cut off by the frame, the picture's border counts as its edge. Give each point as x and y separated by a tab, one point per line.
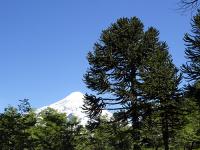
134	111
156	148
165	132
135	125
192	145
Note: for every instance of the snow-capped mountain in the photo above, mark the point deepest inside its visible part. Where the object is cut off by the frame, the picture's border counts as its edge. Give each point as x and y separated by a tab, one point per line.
71	105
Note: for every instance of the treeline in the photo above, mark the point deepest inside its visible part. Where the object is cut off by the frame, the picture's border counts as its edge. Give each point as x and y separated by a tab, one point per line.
23	129
133	75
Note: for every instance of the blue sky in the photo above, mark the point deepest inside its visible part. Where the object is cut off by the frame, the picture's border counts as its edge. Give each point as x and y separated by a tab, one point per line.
44	43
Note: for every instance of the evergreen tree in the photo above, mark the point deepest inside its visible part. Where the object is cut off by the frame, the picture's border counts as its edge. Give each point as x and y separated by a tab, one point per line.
188	137
10	129
107	136
14	129
115	73
161	81
192	67
192	71
54	132
22	129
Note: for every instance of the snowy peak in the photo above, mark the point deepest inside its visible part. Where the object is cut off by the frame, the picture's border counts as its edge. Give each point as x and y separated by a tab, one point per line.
72	102
72	106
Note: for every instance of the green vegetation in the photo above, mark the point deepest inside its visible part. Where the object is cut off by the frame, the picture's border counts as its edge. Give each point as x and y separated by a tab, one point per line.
134	68
132	74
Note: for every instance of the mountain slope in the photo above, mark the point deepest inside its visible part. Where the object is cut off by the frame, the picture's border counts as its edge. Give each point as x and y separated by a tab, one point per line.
71	105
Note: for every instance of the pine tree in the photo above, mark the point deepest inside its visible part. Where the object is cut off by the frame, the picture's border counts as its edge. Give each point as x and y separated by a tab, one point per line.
115	73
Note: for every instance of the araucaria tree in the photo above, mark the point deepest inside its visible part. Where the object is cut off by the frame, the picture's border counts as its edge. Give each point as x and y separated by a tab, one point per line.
161	80
192	71
192	67
117	68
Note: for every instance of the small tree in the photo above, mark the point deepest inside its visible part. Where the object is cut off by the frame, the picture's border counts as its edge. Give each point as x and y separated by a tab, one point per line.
14	129
54	131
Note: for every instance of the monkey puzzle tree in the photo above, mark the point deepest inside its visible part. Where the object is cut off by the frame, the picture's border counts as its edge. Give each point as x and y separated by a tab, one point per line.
115	72
161	80
192	67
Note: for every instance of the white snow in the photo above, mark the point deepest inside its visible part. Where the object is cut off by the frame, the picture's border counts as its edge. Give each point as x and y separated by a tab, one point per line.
71	105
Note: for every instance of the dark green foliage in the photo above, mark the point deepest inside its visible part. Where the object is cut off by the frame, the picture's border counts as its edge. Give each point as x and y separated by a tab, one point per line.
191	131
161	80
22	129
14	128
53	131
133	74
107	136
10	129
193	93
192	67
114	69
189	136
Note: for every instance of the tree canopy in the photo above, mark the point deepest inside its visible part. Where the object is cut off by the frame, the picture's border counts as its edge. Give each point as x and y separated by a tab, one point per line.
131	73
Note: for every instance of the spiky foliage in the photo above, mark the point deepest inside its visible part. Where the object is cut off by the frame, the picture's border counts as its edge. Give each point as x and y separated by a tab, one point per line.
192	71
116	64
192	52
161	80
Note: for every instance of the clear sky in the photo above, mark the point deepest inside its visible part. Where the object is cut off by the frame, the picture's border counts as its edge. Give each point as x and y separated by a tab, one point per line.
44	43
